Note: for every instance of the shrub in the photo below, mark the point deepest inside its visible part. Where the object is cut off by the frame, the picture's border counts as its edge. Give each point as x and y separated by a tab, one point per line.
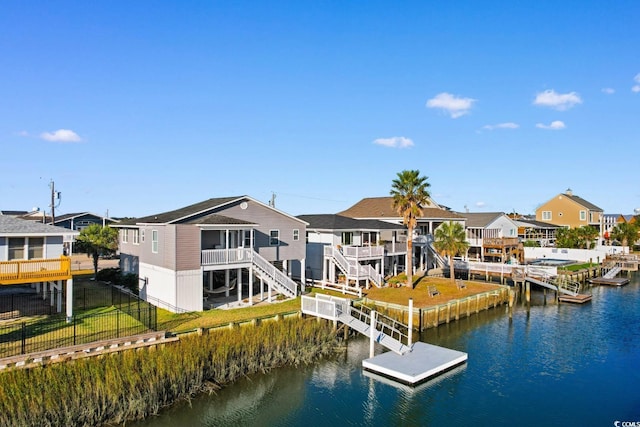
109	275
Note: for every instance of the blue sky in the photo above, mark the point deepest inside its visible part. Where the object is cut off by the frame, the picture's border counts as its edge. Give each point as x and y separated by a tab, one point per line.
143	107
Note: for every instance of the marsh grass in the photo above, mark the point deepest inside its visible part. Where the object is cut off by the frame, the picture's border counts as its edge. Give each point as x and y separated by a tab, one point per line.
135	384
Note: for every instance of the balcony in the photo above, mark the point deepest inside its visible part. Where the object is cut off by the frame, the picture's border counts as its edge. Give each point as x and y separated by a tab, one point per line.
225	256
500	242
34	271
363	252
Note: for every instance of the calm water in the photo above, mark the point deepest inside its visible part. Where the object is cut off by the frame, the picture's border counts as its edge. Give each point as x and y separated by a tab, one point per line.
554	365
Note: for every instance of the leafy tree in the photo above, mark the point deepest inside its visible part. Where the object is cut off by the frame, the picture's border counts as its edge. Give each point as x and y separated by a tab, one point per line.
97	240
410	193
531	244
450	239
626	233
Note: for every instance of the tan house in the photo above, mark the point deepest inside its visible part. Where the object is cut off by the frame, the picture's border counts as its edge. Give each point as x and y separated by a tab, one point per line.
568	210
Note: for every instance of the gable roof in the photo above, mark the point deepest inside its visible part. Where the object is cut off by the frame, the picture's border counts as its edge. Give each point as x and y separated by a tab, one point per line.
583	202
13	213
187	214
65	217
215	219
480	219
339	222
10	226
382	207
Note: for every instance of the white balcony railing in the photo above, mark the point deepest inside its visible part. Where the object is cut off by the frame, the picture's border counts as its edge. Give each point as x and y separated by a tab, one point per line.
363	252
225	256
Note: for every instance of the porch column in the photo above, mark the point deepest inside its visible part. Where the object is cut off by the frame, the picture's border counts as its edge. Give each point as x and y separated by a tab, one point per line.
52	294
226	282
69	299
303	272
45	285
59	299
261	289
269	292
250	285
210	273
239	283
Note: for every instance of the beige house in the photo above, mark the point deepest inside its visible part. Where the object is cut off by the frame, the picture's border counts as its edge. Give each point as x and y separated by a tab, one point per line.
568	210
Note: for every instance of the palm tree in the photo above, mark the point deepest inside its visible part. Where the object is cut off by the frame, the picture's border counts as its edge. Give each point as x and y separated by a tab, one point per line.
626	233
410	194
450	239
97	240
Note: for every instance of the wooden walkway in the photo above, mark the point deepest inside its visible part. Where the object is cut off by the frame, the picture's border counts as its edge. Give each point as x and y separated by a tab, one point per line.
97	348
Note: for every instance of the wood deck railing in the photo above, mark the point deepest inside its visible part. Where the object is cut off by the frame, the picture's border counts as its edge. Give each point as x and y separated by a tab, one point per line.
37	270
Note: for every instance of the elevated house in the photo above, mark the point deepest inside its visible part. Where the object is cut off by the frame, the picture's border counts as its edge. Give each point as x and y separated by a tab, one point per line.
35	253
381	208
542	233
221	247
493	237
570	211
351	253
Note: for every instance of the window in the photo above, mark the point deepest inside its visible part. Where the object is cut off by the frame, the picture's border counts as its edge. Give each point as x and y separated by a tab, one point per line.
16	248
274	237
546	215
136	237
142	236
296	234
583	215
247	239
347	238
154	241
36	247
125	235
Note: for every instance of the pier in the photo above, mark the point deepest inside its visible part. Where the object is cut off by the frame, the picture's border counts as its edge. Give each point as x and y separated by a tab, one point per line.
407	362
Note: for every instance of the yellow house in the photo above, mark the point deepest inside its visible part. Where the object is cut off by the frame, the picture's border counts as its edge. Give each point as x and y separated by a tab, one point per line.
568	210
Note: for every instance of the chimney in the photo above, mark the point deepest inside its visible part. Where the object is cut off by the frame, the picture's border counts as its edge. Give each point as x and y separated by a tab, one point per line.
569	192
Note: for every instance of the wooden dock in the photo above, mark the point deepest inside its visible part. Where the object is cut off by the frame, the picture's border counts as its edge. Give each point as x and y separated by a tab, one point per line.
578	299
425	361
614	281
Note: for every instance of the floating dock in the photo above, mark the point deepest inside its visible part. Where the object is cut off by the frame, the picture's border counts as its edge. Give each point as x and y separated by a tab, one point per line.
615	281
578	299
425	361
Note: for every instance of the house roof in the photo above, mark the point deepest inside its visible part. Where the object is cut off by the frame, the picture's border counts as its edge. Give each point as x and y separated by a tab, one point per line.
10	226
536	224
215	219
13	213
480	219
77	214
382	207
339	222
583	202
200	209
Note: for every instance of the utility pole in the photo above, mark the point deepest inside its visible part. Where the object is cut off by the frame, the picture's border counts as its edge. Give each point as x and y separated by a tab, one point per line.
54	195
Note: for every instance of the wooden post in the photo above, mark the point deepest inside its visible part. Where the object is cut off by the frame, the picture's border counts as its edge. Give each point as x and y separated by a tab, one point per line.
410	332
372	333
448	311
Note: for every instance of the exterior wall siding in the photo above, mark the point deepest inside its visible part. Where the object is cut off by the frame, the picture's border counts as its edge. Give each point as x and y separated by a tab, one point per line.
268	220
53	247
161	284
188	249
189	290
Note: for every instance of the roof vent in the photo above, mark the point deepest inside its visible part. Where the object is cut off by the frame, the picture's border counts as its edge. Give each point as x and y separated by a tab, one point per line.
569	192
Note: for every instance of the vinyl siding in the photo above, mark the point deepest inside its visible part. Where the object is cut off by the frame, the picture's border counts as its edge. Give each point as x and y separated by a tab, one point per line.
187	248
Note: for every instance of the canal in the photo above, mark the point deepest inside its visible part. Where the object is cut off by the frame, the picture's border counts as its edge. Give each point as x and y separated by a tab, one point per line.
550	364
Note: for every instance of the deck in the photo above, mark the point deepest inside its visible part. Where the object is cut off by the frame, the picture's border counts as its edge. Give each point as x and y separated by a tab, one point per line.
613	281
34	271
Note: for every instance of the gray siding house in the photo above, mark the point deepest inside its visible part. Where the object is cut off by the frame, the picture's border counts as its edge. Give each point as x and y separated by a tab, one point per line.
214	249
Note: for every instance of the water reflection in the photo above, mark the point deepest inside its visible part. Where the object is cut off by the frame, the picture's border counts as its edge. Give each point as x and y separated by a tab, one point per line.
550	364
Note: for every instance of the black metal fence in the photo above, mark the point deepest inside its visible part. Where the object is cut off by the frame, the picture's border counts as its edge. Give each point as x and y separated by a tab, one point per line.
21	304
125	314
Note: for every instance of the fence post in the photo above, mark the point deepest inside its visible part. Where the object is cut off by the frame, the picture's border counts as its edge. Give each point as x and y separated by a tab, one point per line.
74	328
24	338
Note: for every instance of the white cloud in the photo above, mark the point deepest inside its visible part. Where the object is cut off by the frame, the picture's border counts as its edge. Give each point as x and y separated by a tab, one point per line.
22	133
508	125
636	88
608	90
559	101
453	105
395	142
61	135
480	204
555	125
